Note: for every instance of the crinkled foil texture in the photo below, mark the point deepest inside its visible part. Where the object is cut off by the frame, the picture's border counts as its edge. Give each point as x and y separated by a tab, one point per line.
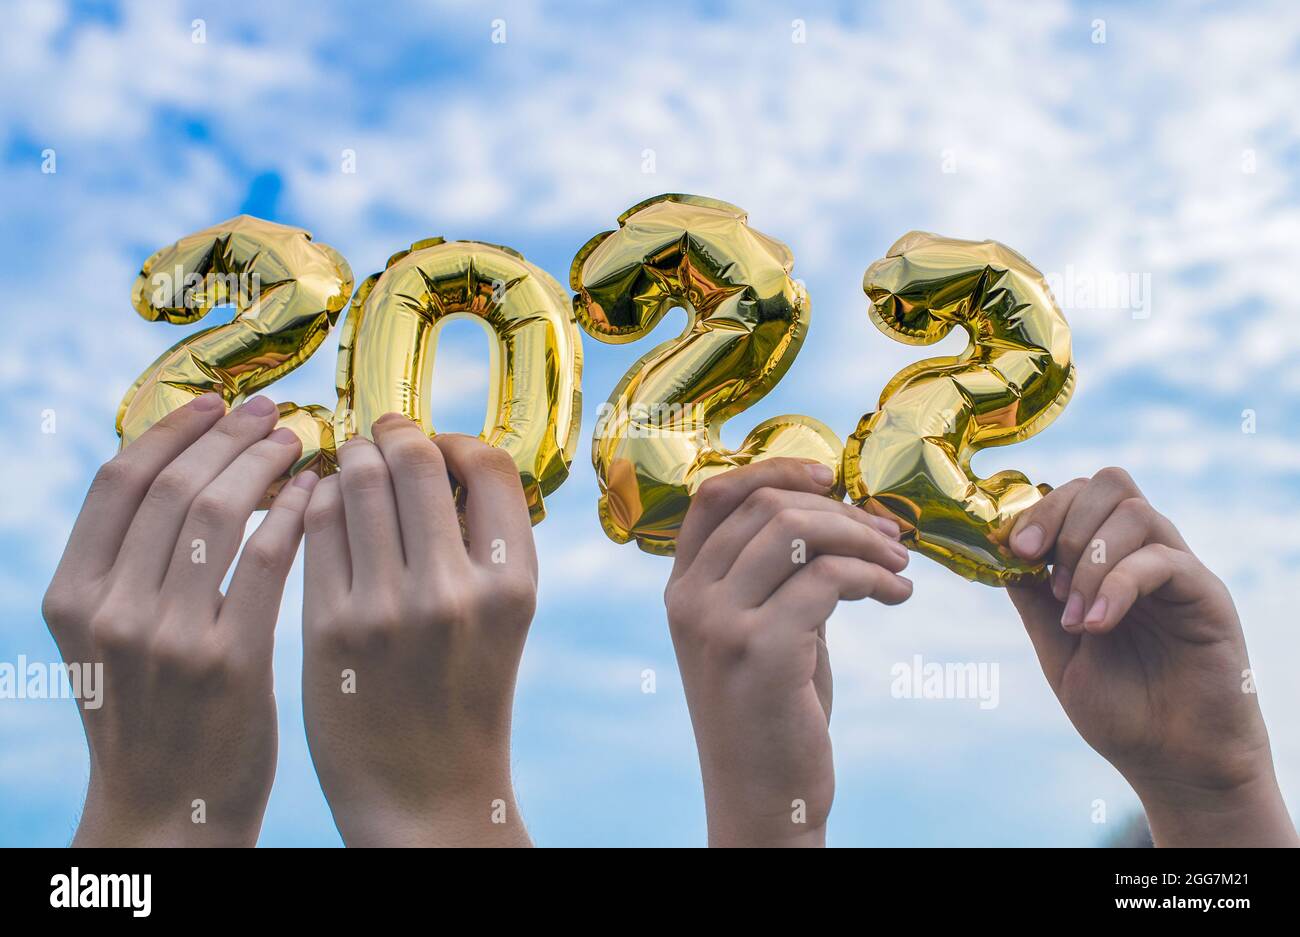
287	292
657	438
910	459
386	352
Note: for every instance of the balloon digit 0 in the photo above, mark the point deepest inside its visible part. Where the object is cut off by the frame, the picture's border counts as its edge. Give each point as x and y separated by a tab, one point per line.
386	351
910	459
657	438
287	291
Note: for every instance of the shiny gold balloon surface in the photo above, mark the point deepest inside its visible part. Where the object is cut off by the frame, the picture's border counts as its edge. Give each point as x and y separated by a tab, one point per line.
386	351
910	460
287	292
657	439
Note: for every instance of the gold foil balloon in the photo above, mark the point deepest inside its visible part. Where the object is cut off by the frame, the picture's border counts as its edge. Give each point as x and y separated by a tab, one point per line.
287	292
657	439
910	460
386	351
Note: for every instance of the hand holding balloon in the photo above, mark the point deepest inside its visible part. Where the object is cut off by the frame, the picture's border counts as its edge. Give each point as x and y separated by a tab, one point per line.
413	630
762	561
183	747
1144	649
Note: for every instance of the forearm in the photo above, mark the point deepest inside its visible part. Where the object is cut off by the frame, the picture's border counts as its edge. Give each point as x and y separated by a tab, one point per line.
1251	814
105	823
731	831
487	818
467	802
744	812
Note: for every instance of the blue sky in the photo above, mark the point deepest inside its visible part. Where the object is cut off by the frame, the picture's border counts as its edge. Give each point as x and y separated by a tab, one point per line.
1166	154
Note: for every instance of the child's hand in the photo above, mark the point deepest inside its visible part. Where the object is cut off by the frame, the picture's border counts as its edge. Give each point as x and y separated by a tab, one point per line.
762	560
411	642
1143	647
182	751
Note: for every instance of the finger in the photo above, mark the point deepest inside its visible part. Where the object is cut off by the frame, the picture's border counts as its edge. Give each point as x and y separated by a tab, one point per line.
327	564
426	510
374	533
1155	567
1037	526
718	496
1133	524
121	483
214	527
1087	512
793	539
809	596
252	603
1041	613
496	511
147	550
742	525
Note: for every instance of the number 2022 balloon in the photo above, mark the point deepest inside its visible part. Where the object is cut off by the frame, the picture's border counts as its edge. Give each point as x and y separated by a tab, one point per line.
657	439
910	459
287	292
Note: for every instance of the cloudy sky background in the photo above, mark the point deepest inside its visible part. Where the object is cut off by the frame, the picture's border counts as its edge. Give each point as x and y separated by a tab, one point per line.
1169	152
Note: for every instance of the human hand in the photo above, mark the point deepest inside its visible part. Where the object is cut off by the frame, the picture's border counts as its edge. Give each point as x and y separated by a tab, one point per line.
183	748
762	560
412	641
1144	649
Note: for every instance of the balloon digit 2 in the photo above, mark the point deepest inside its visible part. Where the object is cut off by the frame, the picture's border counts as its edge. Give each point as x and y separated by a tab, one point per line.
910	459
287	291
657	439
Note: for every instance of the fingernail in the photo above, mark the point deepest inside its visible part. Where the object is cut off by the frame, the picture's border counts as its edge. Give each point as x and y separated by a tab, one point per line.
208	402
885	526
285	436
821	474
1097	613
259	406
1072	617
1061	583
306	480
390	417
1029	541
